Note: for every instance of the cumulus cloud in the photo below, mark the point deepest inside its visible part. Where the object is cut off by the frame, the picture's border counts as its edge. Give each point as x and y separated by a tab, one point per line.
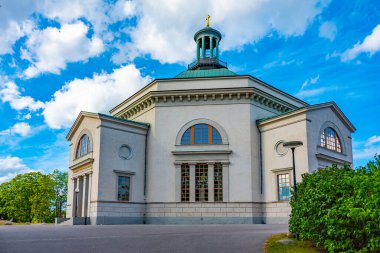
167	35
370	45
11	166
96	94
10	93
50	49
21	128
328	30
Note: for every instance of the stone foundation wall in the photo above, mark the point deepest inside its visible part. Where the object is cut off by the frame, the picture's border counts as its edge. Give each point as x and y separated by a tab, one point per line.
276	212
189	213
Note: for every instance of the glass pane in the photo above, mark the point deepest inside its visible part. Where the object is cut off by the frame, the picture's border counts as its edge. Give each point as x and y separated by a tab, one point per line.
201	182
283	185
123	188
186	137
201	134
216	139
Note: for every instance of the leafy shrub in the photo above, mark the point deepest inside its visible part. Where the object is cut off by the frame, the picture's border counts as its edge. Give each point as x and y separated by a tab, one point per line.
339	208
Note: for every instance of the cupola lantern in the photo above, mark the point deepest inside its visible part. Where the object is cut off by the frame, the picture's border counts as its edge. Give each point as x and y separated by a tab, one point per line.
207	40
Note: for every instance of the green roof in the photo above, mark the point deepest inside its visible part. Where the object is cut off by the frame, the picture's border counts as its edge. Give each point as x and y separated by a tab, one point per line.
205	73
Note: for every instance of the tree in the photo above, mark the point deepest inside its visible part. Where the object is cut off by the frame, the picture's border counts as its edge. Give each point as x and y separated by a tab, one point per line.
339	208
27	197
60	189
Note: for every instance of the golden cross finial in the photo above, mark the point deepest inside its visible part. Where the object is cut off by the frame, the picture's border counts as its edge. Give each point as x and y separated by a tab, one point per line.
208	20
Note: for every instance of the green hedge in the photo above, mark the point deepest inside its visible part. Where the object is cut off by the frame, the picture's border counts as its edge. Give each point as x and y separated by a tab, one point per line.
339	208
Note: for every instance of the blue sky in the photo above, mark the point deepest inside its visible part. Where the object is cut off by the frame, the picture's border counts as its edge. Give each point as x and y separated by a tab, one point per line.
60	57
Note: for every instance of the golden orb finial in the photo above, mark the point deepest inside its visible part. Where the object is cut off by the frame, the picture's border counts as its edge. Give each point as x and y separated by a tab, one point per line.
208	20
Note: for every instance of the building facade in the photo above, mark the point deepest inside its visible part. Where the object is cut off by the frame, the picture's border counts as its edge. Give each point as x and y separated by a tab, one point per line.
203	147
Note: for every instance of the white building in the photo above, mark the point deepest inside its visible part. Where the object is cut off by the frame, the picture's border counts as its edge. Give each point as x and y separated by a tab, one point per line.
203	147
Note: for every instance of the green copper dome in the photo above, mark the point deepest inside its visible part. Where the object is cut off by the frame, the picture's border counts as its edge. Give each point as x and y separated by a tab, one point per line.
205	73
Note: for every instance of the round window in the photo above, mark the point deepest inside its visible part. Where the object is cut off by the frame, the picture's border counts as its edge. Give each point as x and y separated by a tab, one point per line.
125	152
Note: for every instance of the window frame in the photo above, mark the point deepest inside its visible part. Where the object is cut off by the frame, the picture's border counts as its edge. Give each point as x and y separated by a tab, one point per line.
191	134
326	142
204	167
278	185
129	174
129	187
187	188
88	147
218	184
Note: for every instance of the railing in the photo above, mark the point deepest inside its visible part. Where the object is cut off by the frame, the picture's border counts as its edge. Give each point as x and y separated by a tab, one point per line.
207	62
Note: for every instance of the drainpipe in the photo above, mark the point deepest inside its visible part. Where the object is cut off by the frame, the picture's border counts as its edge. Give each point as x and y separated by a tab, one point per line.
146	159
261	159
145	170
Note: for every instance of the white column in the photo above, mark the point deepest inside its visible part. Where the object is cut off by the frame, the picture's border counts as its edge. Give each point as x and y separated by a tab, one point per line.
84	196
177	195
192	182
80	196
210	174
89	194
226	179
73	204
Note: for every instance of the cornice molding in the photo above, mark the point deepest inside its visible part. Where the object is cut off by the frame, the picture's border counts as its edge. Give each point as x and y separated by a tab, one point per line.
248	94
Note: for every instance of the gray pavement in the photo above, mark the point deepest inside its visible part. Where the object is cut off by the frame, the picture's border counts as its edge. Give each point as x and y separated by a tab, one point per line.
136	238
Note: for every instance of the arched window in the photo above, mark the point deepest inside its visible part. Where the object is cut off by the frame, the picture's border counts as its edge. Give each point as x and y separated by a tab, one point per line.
330	140
201	134
84	146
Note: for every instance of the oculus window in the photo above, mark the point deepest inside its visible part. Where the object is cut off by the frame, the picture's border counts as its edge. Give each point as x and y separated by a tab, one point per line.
201	134
84	146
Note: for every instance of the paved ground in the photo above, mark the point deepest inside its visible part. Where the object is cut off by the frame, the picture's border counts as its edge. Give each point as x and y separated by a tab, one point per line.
136	238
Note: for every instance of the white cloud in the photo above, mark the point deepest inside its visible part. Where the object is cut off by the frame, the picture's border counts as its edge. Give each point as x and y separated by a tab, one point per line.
97	94
21	128
312	80
50	49
372	140
370	45
11	163
310	93
167	35
9	92
11	166
328	30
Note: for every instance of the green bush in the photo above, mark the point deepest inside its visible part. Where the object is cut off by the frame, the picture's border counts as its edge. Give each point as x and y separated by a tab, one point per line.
339	208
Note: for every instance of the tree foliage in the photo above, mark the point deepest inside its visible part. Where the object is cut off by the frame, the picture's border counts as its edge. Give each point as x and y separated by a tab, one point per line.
339	208
32	197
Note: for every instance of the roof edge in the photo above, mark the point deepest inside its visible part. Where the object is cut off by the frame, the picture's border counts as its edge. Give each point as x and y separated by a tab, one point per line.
100	116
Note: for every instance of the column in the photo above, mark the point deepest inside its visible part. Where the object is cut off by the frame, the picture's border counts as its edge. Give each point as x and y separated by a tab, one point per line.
177	182
73	204
192	182
210	174
89	194
198	48
80	196
84	196
211	47
217	48
203	47
226	179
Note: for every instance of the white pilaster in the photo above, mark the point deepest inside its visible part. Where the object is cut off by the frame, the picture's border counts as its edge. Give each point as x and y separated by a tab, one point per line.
210	173
84	196
89	194
177	196
226	187
192	182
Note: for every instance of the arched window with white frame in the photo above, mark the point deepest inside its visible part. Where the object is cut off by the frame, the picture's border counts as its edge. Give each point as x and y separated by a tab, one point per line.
84	146
330	140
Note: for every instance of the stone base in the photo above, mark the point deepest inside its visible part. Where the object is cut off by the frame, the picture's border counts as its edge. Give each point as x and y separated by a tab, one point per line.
112	213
